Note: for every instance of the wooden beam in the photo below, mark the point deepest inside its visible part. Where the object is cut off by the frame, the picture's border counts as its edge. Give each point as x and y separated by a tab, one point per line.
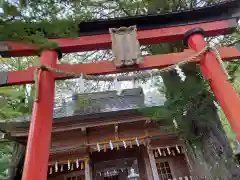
97	42
153	163
64	126
107	67
147	163
84	130
59	175
88	174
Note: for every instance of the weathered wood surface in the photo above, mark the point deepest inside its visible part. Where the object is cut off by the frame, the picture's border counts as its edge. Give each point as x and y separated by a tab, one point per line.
72	144
147	164
153	164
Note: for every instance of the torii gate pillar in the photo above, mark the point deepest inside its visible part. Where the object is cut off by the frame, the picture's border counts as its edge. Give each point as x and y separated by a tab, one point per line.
221	87
39	138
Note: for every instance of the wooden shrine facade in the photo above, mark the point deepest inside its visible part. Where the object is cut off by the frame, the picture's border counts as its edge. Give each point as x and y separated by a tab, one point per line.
111	154
108	145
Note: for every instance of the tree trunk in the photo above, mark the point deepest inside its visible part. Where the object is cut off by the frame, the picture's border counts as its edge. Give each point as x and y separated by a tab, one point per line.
211	152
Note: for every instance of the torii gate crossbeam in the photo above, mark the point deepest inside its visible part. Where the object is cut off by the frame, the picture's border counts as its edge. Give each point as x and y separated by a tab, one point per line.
36	159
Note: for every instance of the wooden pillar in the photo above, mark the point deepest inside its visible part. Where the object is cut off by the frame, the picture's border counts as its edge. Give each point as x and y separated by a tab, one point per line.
212	71
147	163
153	163
39	138
88	170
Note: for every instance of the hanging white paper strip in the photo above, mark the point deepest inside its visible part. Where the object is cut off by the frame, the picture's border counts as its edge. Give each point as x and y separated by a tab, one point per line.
117	86
168	150
111	145
177	149
69	165
159	151
124	144
137	142
98	147
56	167
77	163
81	84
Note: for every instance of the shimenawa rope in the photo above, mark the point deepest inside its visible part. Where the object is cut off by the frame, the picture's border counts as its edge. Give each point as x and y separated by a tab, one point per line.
123	77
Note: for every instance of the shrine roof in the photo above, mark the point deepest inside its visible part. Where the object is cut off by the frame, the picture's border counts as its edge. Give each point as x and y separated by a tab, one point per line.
103	103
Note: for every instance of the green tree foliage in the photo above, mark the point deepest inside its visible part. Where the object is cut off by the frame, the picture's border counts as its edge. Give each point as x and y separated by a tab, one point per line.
15	101
12	104
33	21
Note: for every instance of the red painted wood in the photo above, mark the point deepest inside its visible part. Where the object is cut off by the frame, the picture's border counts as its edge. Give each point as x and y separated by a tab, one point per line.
221	87
39	139
107	67
154	36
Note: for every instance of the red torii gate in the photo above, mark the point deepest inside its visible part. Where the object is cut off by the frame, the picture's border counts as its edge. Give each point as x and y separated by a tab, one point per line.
36	159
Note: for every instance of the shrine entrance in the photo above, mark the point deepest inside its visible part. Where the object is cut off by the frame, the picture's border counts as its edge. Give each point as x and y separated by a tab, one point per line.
121	164
119	169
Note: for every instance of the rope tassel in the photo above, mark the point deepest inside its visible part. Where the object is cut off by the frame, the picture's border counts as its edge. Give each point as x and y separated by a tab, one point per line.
180	73
37	74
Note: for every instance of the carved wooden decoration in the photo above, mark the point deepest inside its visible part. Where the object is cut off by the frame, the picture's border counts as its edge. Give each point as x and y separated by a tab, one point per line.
125	46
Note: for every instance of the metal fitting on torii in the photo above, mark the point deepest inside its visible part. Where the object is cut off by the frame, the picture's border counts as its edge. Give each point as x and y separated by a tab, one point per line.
125	46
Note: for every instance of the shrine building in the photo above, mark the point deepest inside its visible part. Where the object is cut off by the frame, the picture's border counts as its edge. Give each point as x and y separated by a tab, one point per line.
108	138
